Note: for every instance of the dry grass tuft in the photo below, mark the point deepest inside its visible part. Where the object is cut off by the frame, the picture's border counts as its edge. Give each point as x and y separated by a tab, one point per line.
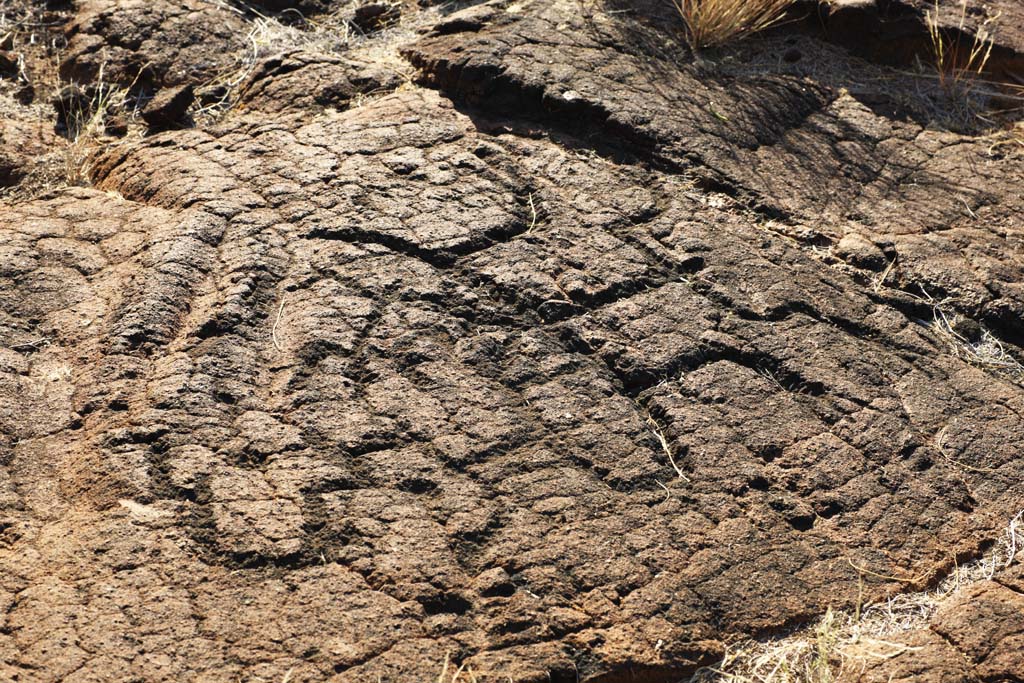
984	350
710	23
84	114
330	34
840	640
87	123
461	674
960	56
805	659
1008	141
957	62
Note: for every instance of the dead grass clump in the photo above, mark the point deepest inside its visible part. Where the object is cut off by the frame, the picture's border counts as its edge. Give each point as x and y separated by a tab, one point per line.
710	23
26	24
840	640
329	34
958	62
1010	140
809	658
960	56
983	350
87	115
334	33
87	118
460	674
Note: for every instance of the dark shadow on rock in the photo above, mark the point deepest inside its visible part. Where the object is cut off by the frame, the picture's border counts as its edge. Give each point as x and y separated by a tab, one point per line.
886	33
788	146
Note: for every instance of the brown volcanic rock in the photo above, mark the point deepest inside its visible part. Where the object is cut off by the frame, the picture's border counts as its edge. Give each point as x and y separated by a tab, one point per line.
977	634
153	44
799	154
994	644
420	428
551	373
169	108
25	138
301	82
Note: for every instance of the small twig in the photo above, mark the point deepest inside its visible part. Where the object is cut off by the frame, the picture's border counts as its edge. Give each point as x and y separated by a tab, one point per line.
968	207
31	345
885	274
940	442
865	570
533	214
666	447
273	330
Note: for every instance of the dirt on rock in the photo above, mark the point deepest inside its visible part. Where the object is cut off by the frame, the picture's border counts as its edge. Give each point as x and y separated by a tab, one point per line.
509	341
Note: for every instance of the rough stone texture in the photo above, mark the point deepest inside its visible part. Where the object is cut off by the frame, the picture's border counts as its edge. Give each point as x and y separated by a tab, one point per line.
169	108
303	82
896	31
152	44
575	365
24	138
822	164
976	636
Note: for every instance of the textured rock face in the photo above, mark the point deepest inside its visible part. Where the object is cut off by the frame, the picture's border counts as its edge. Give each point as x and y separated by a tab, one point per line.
163	43
22	140
567	363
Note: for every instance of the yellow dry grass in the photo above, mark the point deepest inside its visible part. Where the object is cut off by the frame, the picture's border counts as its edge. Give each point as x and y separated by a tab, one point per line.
843	641
955	60
710	23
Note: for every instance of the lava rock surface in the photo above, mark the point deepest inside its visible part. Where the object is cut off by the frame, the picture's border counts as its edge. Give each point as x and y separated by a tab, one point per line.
569	360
